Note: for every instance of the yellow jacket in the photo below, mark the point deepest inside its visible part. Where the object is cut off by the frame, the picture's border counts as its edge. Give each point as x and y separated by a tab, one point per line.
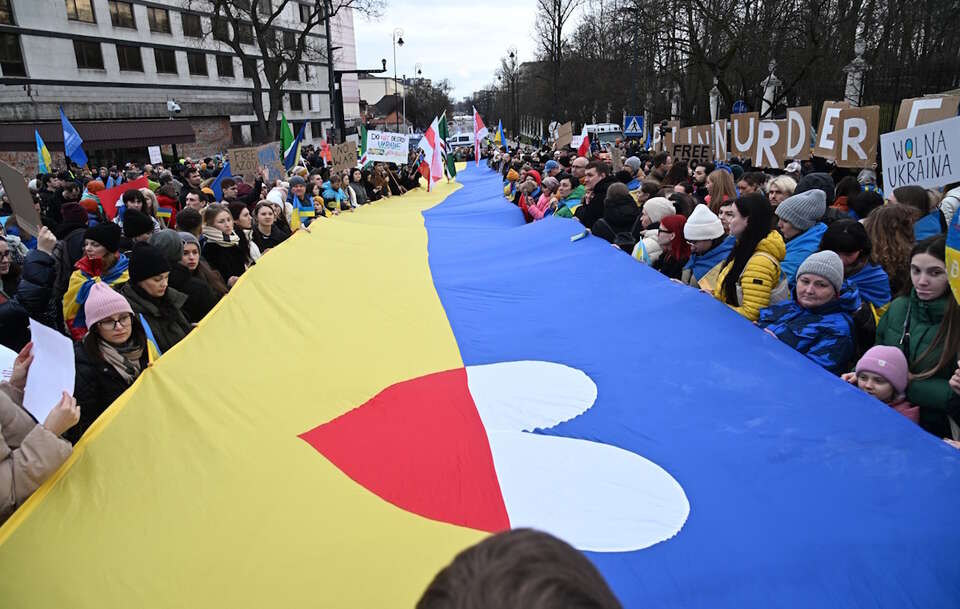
759	277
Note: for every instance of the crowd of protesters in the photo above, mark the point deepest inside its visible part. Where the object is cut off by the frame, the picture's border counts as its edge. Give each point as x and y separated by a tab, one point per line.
130	287
820	258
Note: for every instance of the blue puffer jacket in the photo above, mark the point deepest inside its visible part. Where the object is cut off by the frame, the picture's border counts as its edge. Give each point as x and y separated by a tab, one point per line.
333	198
825	334
927	226
873	284
799	248
701	264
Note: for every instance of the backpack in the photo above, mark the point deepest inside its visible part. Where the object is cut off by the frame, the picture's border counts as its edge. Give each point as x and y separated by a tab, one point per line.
779	293
625	240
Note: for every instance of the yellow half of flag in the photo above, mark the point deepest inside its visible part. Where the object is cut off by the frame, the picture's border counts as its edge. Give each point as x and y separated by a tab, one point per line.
194	490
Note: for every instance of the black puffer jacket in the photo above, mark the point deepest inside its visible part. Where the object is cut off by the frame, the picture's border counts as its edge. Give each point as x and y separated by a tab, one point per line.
164	315
588	213
200	297
620	213
97	385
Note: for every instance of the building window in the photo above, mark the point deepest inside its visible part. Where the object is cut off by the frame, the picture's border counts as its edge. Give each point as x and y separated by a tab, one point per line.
129	58
245	33
289	40
166	61
296	101
191	25
316	129
11	56
6	13
221	29
249	67
121	14
89	55
225	66
81	10
293	72
265	8
197	62
159	20
304	13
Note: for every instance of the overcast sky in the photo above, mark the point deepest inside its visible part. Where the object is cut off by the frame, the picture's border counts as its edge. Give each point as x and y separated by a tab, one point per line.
453	39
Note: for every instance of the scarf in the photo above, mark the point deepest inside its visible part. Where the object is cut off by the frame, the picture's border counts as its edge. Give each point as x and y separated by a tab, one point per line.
124	358
215	235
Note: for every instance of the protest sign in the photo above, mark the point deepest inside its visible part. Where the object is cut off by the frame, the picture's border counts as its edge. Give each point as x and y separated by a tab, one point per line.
20	200
387	147
243	162
922	110
155	156
564	136
692	144
828	133
719	140
743	134
771	146
269	156
345	156
7	357
927	156
798	132
51	373
859	131
663	139
616	159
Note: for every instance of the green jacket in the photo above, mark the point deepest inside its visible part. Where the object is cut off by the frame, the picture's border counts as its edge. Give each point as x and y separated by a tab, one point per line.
930	394
571	202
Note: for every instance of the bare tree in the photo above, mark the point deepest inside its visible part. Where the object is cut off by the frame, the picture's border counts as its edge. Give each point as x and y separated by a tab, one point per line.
252	29
553	17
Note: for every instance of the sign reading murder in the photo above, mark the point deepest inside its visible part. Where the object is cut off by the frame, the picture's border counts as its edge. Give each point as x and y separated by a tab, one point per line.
829	131
771	146
20	200
798	132
743	134
345	156
387	147
927	156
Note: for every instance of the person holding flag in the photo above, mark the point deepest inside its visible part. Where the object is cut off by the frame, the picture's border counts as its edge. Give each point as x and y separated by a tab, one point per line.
500	138
479	132
290	144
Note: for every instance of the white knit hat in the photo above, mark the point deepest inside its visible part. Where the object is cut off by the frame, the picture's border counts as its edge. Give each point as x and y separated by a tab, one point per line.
702	225
658	208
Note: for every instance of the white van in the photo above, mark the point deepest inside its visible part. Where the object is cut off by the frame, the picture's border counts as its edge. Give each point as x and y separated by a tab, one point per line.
460	140
605	133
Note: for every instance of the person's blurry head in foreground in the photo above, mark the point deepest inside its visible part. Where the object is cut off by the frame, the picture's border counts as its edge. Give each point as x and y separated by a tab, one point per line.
519	569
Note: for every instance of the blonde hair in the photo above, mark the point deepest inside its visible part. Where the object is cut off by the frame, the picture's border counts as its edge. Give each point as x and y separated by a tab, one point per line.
784	183
720	186
151	202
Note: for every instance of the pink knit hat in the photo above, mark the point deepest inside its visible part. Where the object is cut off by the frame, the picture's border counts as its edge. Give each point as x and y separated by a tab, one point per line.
888	362
102	302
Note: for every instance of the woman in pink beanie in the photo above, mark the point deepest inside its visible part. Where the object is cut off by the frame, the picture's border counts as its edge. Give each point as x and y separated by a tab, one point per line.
109	358
882	372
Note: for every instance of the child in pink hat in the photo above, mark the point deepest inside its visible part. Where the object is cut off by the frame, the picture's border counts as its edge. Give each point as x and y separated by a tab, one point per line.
883	373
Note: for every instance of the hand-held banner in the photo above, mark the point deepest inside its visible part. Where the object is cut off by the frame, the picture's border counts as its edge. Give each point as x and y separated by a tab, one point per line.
857	140
387	147
829	132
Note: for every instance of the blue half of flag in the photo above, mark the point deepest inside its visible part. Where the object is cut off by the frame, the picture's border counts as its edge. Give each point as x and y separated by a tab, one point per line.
72	142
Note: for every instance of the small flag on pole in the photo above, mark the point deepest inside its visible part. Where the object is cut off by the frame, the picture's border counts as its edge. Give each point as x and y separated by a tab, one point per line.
44	164
479	132
153	350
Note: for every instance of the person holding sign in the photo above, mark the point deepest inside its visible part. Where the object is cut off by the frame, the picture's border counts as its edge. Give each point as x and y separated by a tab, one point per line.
925	325
29	453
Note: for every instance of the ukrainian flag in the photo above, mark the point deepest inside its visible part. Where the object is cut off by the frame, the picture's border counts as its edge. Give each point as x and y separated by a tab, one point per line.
303	213
44	164
153	350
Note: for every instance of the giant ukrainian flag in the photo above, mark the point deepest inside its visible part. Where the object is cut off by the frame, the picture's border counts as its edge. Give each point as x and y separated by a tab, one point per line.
483	374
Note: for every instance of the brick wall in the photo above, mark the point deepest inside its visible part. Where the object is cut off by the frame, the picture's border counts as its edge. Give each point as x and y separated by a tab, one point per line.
26	162
213	136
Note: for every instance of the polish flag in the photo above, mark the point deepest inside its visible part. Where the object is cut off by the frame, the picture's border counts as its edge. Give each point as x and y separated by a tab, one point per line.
584	148
479	132
432	155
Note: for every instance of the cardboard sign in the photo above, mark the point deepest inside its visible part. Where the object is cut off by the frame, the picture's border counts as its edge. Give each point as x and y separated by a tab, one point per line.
243	162
269	156
20	200
387	147
719	140
927	156
798	132
771	146
859	132
664	141
828	134
923	110
616	159
684	153
743	134
564	136
345	157
155	156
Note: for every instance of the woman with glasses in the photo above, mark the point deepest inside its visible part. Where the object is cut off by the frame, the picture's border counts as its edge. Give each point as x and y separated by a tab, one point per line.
109	358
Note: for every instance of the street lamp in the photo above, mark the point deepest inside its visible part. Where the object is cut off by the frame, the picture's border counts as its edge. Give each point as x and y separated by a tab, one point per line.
397	40
513	91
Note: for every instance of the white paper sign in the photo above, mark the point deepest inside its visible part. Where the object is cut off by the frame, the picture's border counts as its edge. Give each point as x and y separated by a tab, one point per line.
927	156
386	147
7	356
154	152
51	373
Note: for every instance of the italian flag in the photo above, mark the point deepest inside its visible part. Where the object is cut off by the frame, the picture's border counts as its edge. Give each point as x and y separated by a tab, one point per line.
431	167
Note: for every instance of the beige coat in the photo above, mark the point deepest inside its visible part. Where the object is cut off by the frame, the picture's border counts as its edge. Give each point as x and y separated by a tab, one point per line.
29	453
